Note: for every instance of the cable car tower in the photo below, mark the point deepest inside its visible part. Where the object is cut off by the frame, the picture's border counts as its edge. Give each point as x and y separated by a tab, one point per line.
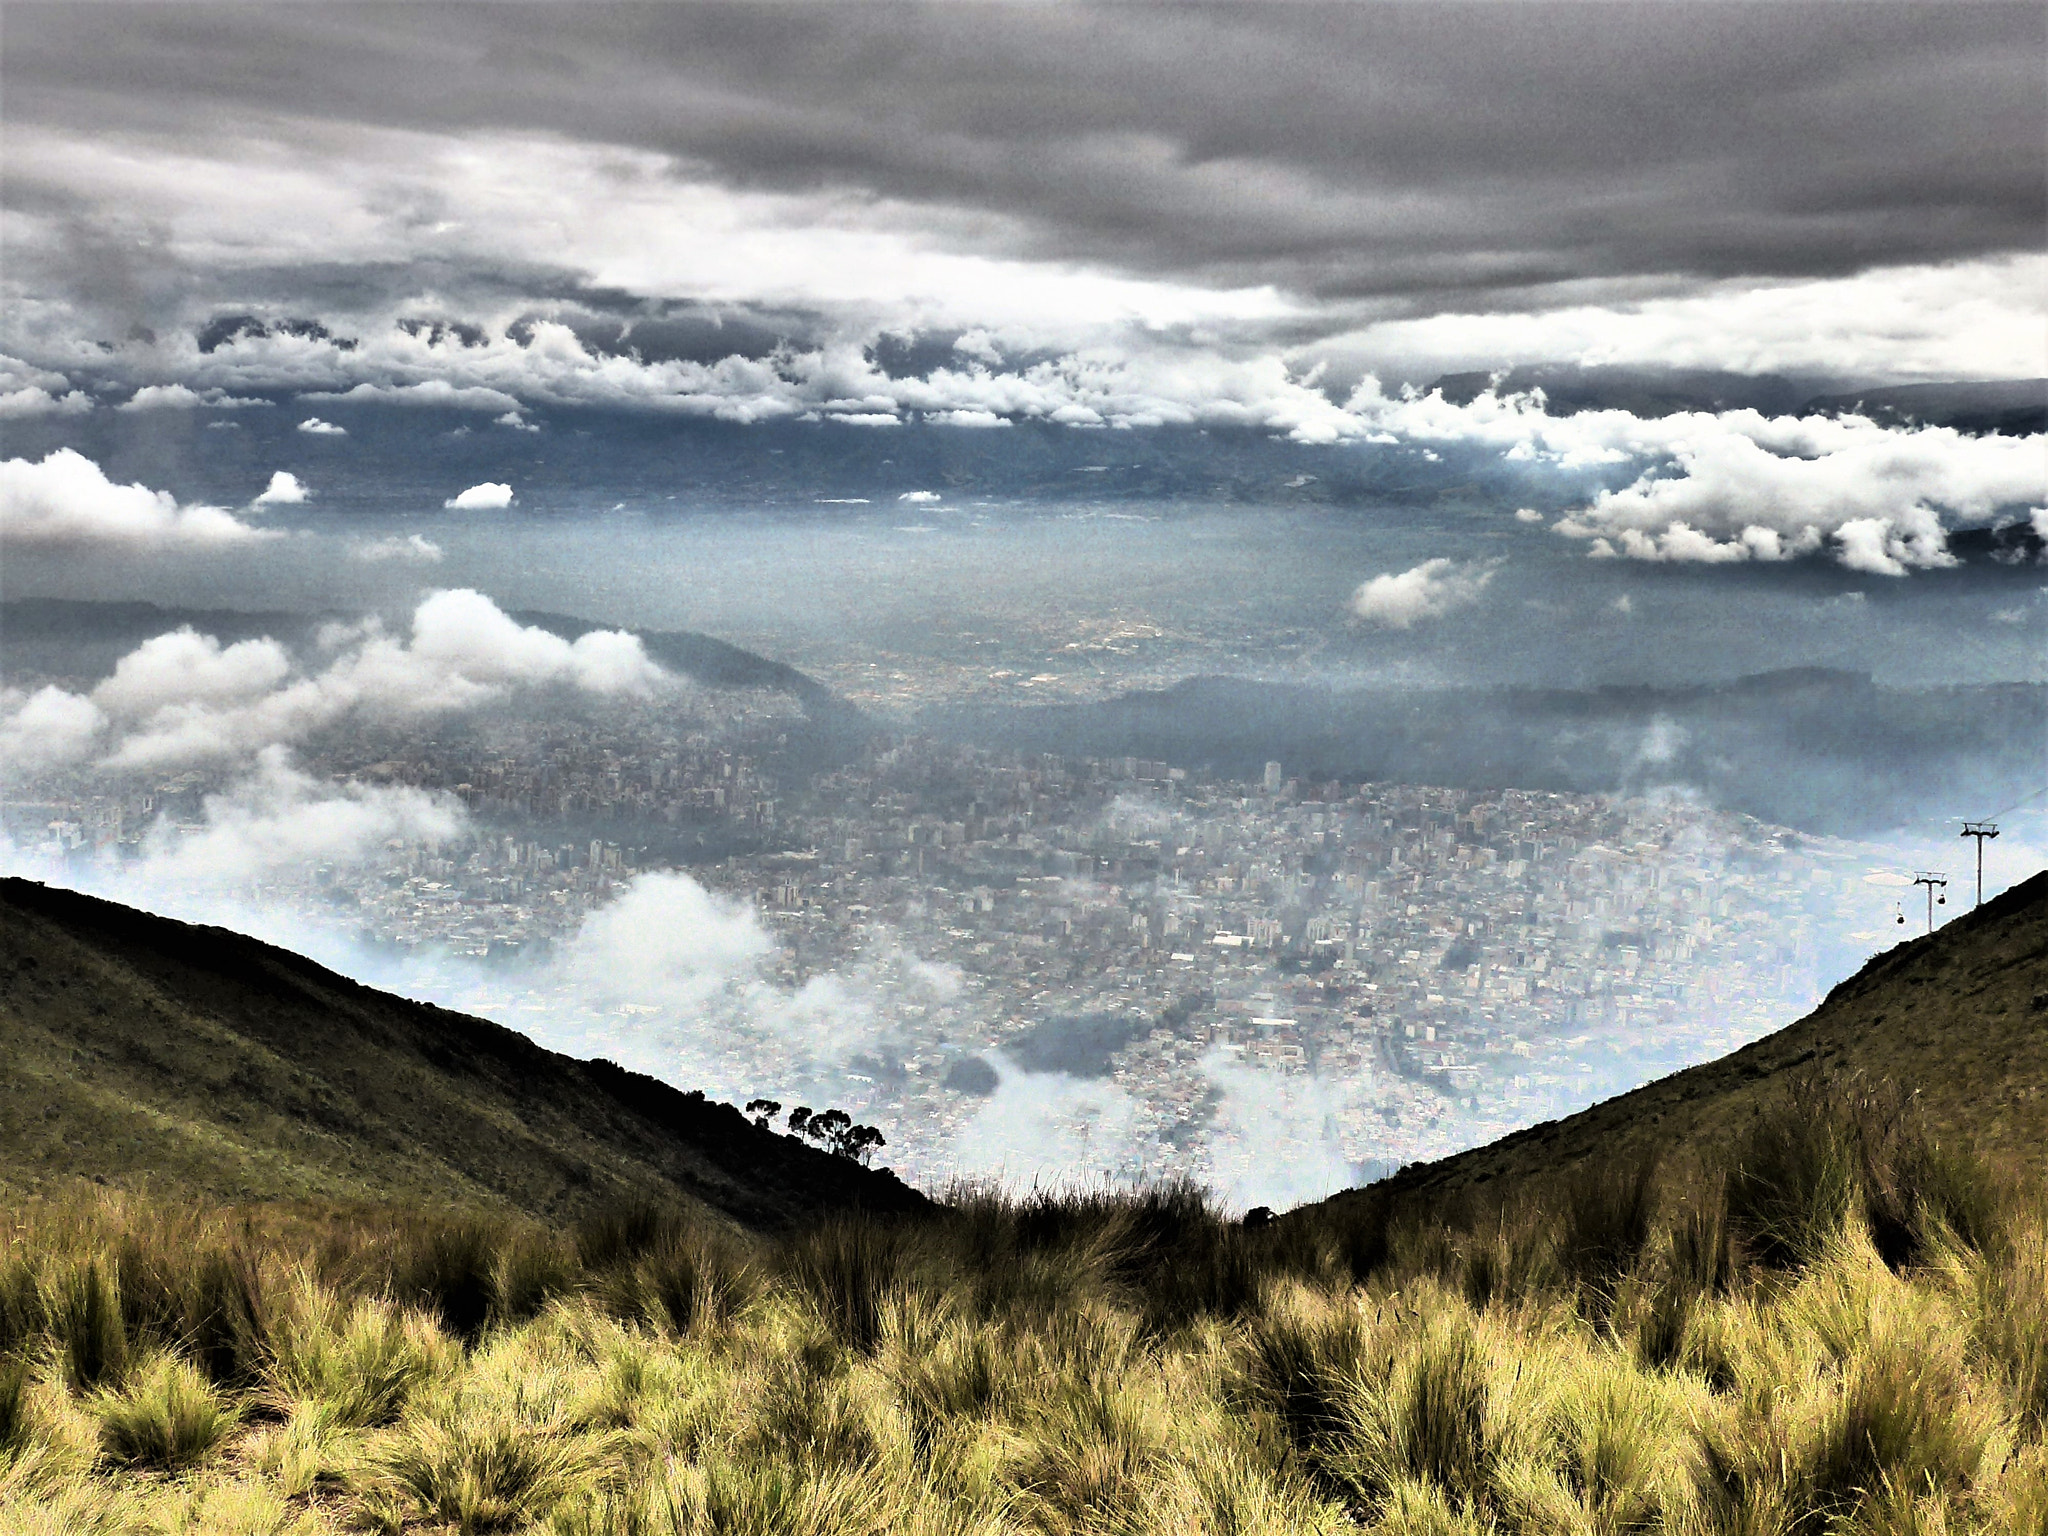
1980	830
1932	878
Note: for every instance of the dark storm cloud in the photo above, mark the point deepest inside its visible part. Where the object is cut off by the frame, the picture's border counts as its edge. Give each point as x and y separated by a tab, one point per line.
1352	151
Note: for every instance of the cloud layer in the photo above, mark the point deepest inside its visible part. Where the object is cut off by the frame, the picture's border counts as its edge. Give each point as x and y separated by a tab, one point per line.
1073	215
183	699
280	819
1341	152
1733	486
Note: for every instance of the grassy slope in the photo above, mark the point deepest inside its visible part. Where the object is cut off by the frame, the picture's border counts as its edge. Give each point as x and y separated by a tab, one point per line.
1081	1366
1960	1016
146	1052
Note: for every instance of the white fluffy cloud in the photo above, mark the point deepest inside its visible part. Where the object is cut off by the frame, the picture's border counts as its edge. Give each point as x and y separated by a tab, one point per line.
1741	487
180	397
492	493
968	418
185	667
285	489
1981	319
411	546
315	427
26	390
1427	591
1275	1141
281	818
666	937
46	729
67	502
427	392
184	699
1731	486
1046	1128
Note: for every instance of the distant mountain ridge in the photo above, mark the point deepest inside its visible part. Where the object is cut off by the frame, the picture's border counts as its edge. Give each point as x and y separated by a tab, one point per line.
1814	748
140	1051
719	664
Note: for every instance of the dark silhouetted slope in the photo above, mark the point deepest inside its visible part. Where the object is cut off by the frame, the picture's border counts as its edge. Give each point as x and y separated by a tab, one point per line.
194	1061
1959	1017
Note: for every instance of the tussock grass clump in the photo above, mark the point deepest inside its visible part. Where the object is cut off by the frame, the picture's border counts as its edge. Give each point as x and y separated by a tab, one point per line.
2008	1298
689	1278
1831	1150
450	1268
14	1420
532	1269
480	1472
1606	1221
1504	1266
849	1268
359	1360
168	1416
1631	1359
621	1233
86	1318
774	1498
24	1316
1096	1442
1305	1360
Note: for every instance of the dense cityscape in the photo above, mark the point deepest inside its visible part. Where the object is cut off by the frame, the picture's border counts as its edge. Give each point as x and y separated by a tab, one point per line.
1010	960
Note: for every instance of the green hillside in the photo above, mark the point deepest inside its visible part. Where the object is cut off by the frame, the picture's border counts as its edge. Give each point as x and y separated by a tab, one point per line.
1958	1018
199	1064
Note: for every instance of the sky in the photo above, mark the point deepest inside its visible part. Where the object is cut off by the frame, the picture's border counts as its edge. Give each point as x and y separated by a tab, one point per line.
1256	219
1222	213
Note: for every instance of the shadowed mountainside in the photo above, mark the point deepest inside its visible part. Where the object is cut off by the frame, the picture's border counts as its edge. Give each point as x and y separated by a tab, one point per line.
140	1051
1959	1017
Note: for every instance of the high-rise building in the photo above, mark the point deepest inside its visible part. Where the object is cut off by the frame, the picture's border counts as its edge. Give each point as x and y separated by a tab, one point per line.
1272	778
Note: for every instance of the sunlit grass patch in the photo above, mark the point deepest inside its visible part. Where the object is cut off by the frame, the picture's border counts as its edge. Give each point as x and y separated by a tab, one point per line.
360	1359
487	1471
1032	1366
168	1416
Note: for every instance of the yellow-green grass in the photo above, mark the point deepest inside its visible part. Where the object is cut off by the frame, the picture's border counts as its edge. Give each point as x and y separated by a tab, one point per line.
1089	1363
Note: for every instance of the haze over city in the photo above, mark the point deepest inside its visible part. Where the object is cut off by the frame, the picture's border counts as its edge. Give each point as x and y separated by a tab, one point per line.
1257	592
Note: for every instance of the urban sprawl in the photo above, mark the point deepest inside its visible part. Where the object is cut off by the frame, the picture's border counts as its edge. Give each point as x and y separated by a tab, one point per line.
1174	972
